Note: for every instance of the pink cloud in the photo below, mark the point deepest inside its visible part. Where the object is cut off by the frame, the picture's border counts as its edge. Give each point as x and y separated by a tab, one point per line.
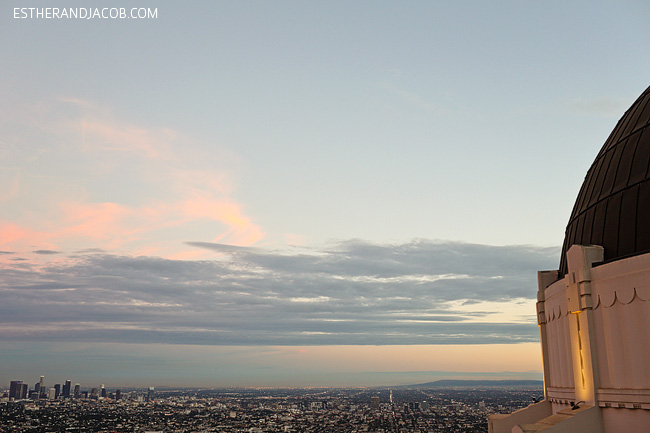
100	131
12	234
123	138
115	226
178	193
242	231
14	237
106	224
112	225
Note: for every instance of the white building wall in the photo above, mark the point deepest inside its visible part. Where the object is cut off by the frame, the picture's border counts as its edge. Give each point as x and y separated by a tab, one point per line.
560	381
614	316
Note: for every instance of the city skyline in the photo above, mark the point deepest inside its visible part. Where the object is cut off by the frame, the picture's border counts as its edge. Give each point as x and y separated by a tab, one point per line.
276	194
59	389
65	390
273	410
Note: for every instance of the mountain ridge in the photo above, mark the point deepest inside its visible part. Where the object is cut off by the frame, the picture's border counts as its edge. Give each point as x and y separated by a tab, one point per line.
476	383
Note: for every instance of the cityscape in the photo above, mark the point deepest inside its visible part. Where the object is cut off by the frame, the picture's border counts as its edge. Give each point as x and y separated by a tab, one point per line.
452	407
324	216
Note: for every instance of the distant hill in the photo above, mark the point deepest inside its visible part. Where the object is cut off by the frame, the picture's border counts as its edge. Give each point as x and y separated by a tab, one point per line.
450	383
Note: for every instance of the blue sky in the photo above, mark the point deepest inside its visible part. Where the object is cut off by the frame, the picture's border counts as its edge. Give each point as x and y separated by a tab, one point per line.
249	177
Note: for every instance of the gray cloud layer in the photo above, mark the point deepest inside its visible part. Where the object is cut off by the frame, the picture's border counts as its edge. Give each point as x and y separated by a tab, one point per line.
46	252
352	293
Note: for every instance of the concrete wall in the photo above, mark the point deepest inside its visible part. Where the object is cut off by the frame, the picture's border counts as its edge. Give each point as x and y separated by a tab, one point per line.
527	415
596	322
626	420
560	381
621	297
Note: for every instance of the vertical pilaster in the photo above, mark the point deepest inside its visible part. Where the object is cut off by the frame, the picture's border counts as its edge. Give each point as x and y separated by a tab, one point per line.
544	279
585	369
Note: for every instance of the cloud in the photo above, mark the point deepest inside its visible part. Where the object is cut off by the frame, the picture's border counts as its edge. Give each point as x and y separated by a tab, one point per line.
46	252
242	231
350	293
90	250
222	248
124	138
88	179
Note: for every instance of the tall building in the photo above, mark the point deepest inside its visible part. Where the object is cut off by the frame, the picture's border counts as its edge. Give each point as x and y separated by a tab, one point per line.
151	394
15	389
77	390
594	311
102	391
57	390
41	392
66	389
118	394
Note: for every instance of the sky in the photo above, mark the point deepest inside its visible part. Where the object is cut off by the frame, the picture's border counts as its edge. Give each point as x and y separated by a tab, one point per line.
275	193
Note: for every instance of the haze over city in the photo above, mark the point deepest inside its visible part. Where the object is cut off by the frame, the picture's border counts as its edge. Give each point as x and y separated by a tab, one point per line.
296	194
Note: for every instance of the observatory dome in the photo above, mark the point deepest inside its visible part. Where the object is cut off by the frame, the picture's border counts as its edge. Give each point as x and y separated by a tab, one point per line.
613	206
593	312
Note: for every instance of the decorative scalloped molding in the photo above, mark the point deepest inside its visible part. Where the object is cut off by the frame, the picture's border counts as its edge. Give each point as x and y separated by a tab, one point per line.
621	296
555	312
608	301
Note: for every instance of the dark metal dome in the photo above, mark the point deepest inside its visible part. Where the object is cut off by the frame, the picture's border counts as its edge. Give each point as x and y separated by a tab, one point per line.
613	207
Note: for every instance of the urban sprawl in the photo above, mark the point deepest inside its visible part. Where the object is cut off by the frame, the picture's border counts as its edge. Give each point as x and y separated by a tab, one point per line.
69	408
